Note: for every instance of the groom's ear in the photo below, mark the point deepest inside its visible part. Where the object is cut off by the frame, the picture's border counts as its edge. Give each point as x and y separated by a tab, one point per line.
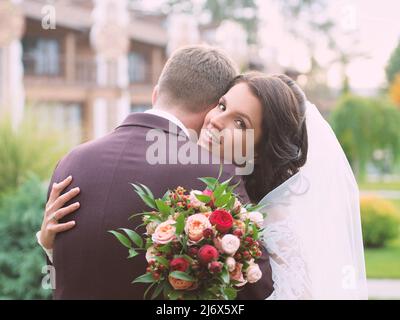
154	95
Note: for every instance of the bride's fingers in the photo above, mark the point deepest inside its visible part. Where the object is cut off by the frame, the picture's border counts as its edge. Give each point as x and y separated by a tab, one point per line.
57	188
61	213
61	200
61	227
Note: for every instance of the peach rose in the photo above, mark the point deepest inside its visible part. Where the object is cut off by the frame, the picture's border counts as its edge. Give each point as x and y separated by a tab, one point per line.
179	284
164	233
195	225
230	244
237	275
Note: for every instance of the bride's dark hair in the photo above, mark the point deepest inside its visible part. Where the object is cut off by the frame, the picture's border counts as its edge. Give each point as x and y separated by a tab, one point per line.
283	146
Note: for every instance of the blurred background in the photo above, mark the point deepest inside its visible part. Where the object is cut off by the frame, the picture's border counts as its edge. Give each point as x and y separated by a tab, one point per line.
71	70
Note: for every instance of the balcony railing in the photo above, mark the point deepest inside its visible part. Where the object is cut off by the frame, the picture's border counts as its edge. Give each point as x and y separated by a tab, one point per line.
76	71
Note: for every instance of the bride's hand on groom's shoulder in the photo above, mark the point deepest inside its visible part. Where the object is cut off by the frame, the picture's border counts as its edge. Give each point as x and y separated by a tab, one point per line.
54	211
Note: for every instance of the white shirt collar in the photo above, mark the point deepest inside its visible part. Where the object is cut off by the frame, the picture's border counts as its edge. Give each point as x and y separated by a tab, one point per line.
169	117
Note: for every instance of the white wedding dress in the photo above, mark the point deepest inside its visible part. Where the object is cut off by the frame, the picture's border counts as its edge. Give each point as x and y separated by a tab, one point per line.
313	229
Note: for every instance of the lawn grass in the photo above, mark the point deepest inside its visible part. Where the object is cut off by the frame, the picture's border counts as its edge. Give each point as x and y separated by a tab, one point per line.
384	263
394	185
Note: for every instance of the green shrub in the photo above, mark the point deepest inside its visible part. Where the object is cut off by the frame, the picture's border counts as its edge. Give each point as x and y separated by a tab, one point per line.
29	149
380	221
21	258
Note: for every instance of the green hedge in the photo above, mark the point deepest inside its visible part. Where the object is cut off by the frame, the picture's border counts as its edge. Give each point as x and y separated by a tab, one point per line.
21	259
380	221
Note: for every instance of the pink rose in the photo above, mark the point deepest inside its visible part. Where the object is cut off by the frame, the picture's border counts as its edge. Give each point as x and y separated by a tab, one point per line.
195	226
230	244
194	202
164	233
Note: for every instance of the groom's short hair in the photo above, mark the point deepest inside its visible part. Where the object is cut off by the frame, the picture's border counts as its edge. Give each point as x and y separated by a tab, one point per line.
196	77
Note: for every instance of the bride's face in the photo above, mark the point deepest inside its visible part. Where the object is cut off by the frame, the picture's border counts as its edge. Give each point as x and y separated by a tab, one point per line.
225	126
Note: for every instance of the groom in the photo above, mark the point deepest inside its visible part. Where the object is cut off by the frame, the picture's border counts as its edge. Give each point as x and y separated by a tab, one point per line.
89	262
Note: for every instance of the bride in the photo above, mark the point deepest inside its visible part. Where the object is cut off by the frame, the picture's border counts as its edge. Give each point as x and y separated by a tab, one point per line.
301	177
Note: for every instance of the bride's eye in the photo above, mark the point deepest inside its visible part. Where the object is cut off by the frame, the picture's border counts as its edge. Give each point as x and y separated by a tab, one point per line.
221	107
241	124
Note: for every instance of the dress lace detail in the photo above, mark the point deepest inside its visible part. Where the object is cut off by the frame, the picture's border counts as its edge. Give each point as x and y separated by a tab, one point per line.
289	270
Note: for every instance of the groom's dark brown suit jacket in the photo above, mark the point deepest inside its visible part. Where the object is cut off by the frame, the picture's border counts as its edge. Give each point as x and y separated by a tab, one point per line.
89	261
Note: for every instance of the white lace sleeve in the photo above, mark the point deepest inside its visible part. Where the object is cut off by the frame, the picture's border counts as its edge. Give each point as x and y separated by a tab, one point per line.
49	252
289	270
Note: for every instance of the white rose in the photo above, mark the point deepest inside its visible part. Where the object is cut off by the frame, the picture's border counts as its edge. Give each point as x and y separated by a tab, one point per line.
196	203
230	244
231	264
243	215
253	273
150	254
257	218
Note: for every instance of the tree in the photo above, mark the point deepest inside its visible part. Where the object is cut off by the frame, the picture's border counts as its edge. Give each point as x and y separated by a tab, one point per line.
394	90
393	66
216	11
364	125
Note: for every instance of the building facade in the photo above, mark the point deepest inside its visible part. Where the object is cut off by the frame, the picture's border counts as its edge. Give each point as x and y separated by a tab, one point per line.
72	78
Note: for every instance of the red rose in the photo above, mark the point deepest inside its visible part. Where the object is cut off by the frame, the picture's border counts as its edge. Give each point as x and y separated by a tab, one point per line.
222	219
179	264
208	253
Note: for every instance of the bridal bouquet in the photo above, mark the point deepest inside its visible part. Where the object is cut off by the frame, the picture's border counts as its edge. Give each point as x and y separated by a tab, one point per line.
199	245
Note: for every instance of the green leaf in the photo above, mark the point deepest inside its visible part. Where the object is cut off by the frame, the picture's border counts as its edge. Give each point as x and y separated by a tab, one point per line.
174	294
219	191
231	293
145	278
132	253
148	191
147	290
225	275
158	290
182	276
164	248
231	203
164	209
203	198
136	239
162	260
223	200
226	182
121	238
255	231
221	168
180	223
209	182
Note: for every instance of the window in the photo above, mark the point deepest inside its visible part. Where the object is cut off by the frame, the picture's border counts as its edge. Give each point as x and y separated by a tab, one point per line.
41	56
63	118
138	68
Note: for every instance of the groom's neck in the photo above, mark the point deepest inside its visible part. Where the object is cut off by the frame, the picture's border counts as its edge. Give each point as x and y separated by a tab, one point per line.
190	120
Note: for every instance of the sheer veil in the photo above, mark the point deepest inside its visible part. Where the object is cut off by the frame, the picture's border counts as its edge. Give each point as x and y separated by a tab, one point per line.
313	228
